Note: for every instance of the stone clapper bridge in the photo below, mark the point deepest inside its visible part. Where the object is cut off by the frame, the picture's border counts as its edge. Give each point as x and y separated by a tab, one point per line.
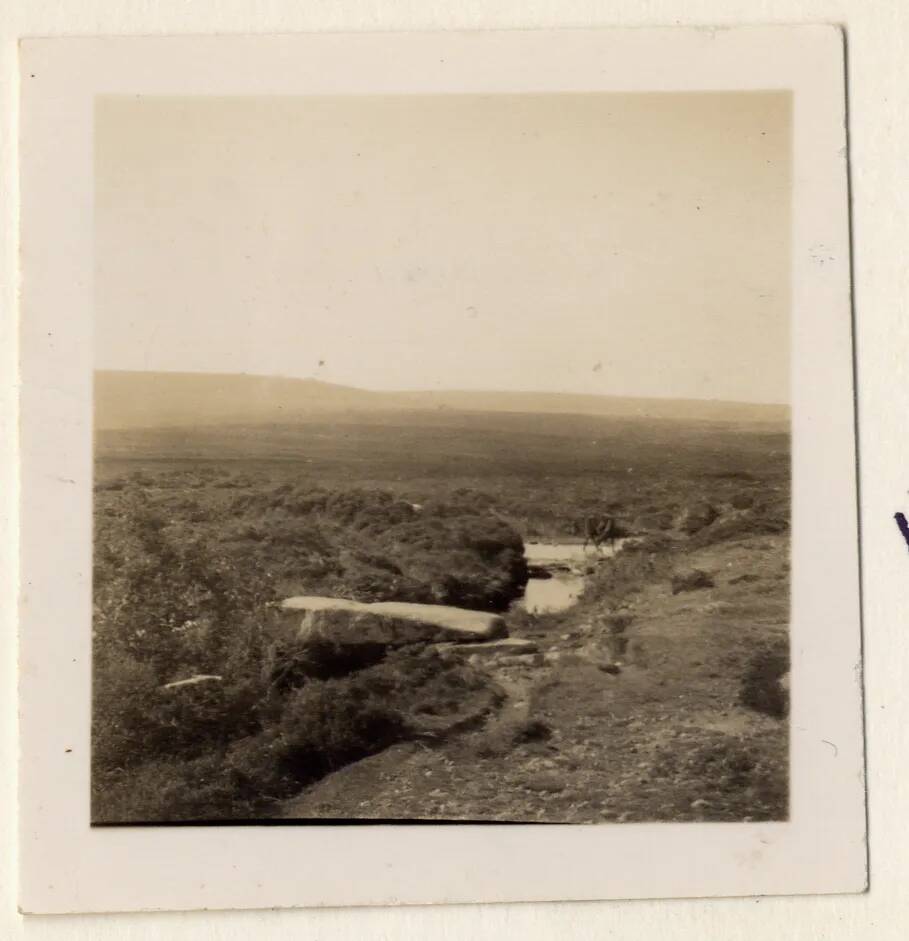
354	625
396	623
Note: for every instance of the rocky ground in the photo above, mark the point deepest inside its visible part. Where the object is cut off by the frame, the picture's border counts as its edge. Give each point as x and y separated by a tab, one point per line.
651	699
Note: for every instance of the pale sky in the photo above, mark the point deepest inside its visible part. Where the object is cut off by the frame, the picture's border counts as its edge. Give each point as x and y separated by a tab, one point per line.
617	244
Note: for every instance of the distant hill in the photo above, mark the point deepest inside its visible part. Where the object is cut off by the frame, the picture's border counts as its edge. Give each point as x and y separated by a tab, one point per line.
125	400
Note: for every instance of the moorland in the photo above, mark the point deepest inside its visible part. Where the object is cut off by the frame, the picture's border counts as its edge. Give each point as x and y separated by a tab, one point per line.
660	695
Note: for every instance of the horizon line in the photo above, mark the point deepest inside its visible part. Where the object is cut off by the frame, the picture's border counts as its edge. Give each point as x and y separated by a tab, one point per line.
447	390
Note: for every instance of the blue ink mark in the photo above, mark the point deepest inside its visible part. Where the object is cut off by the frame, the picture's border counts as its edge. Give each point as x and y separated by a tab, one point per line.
903	525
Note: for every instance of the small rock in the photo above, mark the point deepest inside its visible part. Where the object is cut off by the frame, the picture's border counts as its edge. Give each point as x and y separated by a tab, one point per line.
697	517
519	660
612	668
699	804
690	581
546	783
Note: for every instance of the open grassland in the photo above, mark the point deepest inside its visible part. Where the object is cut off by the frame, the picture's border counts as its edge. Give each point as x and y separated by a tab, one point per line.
656	697
543	472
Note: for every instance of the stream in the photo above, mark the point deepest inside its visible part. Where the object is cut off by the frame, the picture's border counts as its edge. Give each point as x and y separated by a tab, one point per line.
559	570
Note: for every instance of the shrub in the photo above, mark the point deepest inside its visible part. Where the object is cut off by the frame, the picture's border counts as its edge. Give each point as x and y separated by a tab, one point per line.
468	561
165	611
292	660
369	545
177	605
259	773
761	688
623	575
619	623
760	520
125	729
652	543
327	724
531	730
500	740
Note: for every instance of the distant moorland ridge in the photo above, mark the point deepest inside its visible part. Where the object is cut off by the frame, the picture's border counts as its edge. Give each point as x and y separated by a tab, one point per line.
133	399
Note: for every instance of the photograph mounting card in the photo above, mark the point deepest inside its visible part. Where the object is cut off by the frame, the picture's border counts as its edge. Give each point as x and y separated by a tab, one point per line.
448	445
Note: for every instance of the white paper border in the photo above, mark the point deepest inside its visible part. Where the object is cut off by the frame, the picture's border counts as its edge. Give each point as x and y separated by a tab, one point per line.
66	866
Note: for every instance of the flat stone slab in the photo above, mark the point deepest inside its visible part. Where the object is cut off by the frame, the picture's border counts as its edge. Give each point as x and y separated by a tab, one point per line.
492	648
391	622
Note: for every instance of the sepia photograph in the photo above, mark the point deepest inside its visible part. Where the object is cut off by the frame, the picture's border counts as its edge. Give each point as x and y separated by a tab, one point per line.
438	475
442	458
